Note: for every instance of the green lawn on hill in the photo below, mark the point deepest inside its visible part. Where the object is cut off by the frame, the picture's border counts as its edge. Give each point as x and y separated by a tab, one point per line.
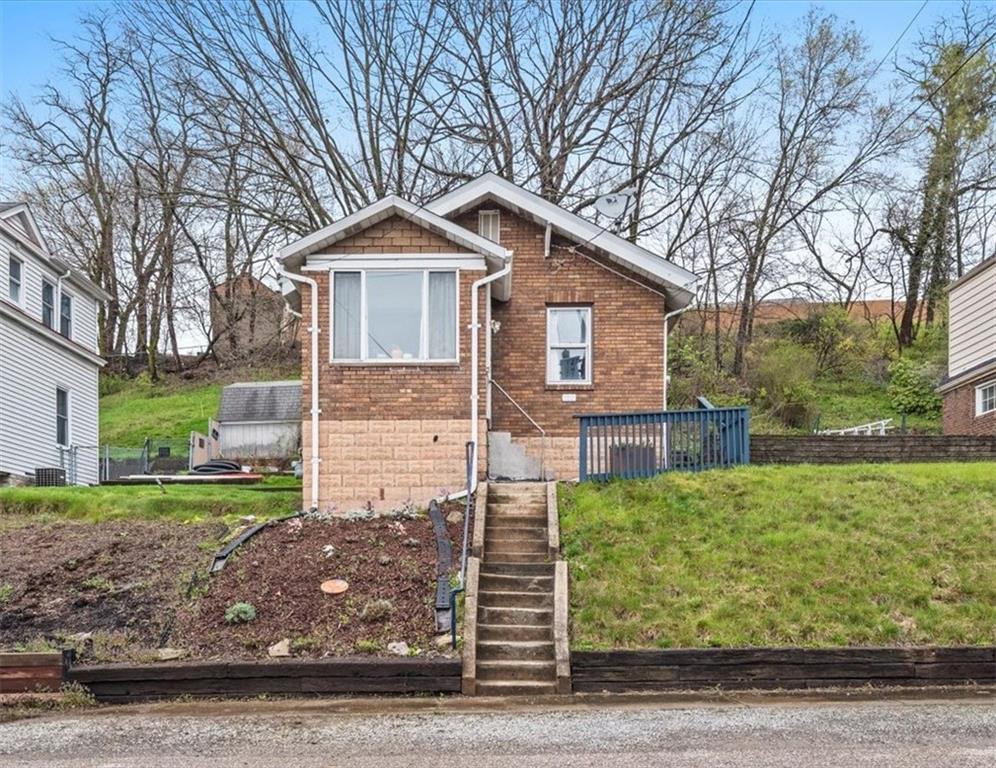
812	556
139	409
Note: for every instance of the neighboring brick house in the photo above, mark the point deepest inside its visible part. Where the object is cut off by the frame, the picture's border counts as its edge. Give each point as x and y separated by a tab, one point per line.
570	319
247	318
969	389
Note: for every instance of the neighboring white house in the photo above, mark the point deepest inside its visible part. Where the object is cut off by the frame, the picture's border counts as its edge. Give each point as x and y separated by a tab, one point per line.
49	357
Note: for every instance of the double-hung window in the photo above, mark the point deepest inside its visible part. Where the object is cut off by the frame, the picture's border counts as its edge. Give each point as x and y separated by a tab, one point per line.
568	345
985	399
15	274
394	316
66	315
62	416
48	303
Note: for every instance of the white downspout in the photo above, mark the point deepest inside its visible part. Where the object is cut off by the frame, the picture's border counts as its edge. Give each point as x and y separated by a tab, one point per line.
475	325
313	329
668	316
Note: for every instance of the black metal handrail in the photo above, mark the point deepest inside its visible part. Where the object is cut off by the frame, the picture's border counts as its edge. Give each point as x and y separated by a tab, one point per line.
468	510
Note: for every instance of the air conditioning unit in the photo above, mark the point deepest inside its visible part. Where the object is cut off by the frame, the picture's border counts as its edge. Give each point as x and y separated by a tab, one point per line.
50	477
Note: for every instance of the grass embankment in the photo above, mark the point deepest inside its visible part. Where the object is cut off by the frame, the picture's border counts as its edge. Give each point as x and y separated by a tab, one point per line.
769	556
273	497
138	409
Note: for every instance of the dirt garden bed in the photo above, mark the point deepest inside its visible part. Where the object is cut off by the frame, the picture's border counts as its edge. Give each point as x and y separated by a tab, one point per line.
111	590
139	591
390	566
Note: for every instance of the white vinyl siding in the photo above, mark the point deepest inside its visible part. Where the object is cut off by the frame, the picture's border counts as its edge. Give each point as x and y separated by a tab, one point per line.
398	316
28	433
972	322
985	398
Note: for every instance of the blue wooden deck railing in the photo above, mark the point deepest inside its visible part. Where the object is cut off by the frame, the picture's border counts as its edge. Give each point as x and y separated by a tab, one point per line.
643	444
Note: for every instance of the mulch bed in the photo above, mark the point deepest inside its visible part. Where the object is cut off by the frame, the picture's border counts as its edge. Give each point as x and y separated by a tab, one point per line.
279	572
116	585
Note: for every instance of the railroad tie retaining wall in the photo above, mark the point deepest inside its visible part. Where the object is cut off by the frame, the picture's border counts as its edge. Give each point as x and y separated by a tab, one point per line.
787	668
135	682
855	449
30	672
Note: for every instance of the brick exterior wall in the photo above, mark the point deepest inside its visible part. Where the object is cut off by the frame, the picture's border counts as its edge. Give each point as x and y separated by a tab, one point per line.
627	334
959	411
390	433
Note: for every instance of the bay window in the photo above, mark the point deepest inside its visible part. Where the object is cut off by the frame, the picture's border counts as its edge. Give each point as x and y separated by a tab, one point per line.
394	316
568	344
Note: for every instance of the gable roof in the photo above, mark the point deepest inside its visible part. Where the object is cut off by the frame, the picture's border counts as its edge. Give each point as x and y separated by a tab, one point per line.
17	221
678	283
260	401
293	255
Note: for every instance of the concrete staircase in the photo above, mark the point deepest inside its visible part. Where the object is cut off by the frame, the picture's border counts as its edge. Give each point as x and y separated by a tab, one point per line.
515	602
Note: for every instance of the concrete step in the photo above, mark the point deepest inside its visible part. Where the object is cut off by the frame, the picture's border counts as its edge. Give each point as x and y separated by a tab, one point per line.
517	512
515	558
514	529
502	545
517	569
535	617
515	688
506	670
528	650
516	534
492	599
509	633
505	583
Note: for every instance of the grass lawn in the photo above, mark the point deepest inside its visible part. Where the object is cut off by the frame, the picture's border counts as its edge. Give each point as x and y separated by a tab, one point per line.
274	497
853	402
140	409
812	556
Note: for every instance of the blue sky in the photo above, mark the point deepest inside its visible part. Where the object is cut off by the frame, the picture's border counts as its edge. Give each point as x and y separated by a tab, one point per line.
28	56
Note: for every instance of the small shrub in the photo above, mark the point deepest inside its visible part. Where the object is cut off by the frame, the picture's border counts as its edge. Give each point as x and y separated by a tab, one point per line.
912	388
75	696
98	583
240	613
376	610
781	375
6	592
367	646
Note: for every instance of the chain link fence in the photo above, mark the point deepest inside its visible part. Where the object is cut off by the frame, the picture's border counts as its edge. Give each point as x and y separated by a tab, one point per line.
91	464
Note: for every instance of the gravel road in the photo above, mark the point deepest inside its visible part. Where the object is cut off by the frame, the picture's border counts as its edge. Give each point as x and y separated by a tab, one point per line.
899	734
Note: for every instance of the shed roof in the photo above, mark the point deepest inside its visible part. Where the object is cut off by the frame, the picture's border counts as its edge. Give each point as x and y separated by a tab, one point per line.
260	401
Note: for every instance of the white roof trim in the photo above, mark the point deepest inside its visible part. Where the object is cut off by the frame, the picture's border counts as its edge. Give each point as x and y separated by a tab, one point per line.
293	255
22	209
678	282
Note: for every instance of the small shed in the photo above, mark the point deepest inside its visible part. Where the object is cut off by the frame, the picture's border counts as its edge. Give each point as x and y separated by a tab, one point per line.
260	420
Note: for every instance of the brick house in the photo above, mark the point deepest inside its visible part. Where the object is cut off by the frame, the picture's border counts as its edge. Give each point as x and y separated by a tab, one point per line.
969	389
488	315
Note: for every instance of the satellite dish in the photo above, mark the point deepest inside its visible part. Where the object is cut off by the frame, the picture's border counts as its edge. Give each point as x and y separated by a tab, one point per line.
615	204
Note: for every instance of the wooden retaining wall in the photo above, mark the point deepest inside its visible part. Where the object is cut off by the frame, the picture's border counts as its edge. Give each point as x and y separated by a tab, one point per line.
30	672
852	449
788	668
135	682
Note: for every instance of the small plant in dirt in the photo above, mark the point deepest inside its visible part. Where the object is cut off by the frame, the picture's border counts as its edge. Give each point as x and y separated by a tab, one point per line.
240	613
368	646
375	610
98	583
306	643
6	592
75	696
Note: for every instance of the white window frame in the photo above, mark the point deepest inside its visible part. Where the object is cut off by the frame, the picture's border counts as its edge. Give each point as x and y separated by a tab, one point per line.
489	216
55	304
69	416
19	299
979	398
587	347
64	295
364	358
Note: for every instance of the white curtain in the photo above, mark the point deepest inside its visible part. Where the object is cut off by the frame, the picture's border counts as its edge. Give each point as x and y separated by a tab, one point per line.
442	315
346	316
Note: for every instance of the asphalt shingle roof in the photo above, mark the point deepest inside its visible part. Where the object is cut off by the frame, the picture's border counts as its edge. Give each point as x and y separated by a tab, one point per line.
261	401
